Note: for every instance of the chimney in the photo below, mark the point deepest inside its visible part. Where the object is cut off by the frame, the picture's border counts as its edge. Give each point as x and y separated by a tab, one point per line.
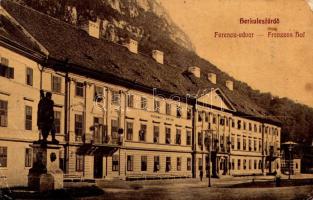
92	28
132	45
71	15
230	85
195	71
158	56
212	78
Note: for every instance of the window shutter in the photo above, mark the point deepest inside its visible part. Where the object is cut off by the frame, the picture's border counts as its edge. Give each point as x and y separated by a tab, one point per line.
5	61
10	72
2	70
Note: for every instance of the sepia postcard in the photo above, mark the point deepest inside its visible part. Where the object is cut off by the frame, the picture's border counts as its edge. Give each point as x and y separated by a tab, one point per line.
156	99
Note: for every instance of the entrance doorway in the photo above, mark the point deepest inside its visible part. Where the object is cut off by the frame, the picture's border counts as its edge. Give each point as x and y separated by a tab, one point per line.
223	165
98	166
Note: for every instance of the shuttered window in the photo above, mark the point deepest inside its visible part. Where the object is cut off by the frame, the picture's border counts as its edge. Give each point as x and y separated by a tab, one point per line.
29	76
28	157
28	117
3	113
5	70
115	163
3	156
56	84
130	163
79	163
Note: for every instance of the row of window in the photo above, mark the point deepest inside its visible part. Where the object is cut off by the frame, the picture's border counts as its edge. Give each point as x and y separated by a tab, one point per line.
8	72
100	131
143	104
224	121
253	144
156	134
116	96
56	86
28	123
242	164
157	107
246	144
229	142
142	133
56	81
157	165
246	164
98	95
4	157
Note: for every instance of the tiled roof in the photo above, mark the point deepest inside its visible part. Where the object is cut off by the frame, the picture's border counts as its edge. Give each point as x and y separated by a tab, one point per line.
64	41
9	31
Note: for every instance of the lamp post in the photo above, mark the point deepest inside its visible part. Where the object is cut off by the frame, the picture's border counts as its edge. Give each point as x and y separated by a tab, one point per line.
229	152
208	141
289	149
290	145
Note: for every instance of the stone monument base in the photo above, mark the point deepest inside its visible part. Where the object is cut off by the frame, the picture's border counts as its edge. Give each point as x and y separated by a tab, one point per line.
45	174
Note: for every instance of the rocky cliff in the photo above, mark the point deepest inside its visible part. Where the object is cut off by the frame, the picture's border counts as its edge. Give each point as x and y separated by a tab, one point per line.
142	20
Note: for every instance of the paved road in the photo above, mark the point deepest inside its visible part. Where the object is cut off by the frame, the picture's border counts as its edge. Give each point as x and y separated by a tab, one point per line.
198	190
186	192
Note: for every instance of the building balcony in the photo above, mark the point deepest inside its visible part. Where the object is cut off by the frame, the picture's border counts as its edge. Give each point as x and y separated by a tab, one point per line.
224	149
103	139
274	154
215	148
100	143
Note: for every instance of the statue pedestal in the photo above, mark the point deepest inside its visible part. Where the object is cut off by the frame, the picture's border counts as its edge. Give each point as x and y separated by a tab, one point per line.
45	174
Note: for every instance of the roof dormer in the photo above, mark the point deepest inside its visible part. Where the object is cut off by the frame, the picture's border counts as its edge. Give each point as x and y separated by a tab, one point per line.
195	71
158	56
91	27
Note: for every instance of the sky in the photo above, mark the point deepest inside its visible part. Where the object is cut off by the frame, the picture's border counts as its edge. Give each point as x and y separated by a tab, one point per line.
282	66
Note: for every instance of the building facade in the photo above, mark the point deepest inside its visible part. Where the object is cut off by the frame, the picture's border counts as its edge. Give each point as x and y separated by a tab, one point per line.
109	129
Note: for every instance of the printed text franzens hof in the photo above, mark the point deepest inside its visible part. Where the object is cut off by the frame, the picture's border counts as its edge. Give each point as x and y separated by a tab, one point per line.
270	31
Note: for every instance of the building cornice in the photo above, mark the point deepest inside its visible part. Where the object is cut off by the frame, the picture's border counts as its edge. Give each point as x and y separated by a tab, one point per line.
20	49
13	20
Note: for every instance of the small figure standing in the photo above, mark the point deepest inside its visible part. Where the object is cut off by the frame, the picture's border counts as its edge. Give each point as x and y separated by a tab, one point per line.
277	179
201	174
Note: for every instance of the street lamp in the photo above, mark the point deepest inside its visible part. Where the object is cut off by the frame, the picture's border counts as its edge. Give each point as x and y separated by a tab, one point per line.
290	145
229	152
208	141
289	149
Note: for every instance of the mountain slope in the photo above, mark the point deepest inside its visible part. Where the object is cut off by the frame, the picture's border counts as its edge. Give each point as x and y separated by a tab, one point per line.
147	22
142	20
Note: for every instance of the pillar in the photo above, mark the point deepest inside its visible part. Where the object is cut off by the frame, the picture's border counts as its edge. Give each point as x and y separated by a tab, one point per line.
45	174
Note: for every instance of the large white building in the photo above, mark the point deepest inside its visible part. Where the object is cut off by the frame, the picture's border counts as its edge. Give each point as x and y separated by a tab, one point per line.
118	113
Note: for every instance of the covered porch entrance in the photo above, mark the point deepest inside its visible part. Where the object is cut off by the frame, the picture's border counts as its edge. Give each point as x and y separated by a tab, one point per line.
99	153
219	165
